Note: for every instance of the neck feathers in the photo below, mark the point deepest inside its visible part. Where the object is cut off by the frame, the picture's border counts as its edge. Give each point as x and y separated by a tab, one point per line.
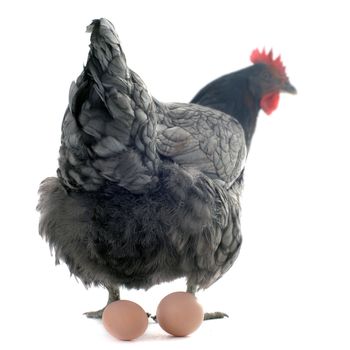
231	94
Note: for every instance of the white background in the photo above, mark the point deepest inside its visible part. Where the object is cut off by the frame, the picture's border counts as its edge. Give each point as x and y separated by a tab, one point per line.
289	289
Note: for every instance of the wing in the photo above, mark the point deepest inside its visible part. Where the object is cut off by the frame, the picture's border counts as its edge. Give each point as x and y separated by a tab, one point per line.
202	138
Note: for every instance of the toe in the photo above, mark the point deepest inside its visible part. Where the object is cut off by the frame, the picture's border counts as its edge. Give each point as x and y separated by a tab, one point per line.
214	315
94	314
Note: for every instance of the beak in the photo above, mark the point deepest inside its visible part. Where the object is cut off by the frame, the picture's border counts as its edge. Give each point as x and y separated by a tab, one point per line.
288	87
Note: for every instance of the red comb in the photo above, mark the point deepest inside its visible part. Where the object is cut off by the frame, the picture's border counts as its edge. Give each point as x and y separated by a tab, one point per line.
267	58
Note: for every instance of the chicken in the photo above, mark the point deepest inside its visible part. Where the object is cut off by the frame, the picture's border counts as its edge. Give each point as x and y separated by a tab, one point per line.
148	192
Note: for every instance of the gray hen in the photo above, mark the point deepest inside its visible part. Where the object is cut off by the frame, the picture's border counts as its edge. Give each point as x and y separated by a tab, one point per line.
146	192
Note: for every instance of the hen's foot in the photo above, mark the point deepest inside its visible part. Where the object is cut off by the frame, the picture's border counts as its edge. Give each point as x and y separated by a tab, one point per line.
95	314
214	315
192	288
113	295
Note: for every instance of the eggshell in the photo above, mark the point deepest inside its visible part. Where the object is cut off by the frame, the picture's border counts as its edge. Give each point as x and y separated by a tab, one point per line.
180	314
125	319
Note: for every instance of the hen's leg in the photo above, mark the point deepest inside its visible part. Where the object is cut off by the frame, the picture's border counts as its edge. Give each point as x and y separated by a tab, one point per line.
207	315
113	295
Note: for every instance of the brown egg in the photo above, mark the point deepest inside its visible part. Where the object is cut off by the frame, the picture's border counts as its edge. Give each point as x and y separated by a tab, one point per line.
179	314
125	319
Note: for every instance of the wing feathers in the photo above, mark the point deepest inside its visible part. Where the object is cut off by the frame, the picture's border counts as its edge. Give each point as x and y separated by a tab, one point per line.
210	141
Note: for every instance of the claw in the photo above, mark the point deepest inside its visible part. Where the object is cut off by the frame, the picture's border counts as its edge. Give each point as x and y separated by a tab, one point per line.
154	318
94	314
214	315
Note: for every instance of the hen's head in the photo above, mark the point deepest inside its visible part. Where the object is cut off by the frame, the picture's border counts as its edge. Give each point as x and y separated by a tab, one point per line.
268	80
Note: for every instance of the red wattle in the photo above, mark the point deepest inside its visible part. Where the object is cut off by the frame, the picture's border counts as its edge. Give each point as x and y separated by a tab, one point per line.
269	102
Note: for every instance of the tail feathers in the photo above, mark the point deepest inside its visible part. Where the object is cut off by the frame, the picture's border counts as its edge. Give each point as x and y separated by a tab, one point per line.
109	130
105	45
107	66
122	90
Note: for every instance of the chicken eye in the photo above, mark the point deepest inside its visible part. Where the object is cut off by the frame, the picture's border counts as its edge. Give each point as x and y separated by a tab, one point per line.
266	76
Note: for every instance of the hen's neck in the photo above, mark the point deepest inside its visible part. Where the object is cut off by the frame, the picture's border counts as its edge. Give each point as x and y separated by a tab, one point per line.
246	110
231	94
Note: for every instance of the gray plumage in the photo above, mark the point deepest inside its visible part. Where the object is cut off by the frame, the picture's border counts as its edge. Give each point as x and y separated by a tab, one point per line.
146	192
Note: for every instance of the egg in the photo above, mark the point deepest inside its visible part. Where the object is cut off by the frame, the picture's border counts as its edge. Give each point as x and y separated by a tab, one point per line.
125	319
180	314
